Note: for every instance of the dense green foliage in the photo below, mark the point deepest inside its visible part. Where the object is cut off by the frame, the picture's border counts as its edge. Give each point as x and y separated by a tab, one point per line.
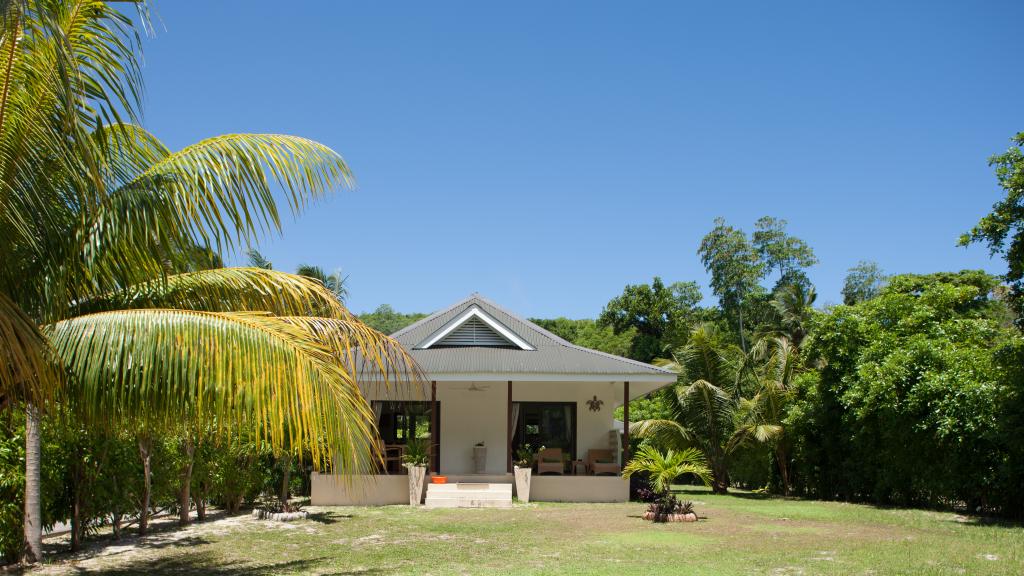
1003	228
386	321
917	398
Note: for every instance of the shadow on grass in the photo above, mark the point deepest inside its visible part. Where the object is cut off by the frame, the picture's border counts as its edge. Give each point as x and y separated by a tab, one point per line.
203	563
327	517
745	495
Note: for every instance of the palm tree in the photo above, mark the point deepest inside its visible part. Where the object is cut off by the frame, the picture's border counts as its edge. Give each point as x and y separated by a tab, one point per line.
794	304
99	222
761	416
334	281
664	468
703	403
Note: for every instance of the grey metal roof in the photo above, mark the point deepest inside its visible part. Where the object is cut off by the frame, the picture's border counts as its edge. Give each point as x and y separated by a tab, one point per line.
552	355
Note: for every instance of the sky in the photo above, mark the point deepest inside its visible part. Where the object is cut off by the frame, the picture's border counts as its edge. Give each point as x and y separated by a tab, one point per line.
546	154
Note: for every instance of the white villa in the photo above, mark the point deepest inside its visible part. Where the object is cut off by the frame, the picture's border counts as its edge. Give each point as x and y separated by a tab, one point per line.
495	382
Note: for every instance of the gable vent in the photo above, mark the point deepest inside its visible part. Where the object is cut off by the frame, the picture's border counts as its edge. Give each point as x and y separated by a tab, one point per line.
474	332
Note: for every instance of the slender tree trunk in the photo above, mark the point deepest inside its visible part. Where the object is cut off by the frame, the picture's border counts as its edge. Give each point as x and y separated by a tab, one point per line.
33	507
145	445
782	457
286	462
743	339
115	514
76	502
184	496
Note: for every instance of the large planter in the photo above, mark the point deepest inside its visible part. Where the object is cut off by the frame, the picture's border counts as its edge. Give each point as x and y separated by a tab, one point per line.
691	517
523	483
416	477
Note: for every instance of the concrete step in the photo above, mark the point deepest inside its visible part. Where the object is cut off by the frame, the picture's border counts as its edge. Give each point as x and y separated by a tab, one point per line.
466	503
469	495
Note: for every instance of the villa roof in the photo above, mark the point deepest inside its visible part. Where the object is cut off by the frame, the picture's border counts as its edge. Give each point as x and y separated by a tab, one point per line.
477	339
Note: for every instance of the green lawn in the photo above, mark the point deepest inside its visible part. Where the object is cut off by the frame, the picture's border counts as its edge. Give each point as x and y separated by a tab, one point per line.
738	534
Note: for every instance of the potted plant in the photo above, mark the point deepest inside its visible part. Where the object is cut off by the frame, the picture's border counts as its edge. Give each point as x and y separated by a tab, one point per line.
523	471
415	461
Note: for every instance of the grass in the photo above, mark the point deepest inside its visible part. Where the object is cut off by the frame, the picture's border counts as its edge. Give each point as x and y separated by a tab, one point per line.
739	534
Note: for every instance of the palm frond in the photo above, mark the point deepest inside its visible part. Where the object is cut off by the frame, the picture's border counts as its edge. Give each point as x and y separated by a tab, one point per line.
377	359
243	371
26	368
226	290
216	193
667	433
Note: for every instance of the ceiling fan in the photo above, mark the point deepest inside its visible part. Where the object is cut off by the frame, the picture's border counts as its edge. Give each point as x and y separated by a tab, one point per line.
474	388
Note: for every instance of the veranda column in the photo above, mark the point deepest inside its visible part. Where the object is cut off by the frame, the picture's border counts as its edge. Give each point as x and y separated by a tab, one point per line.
625	423
508	428
435	463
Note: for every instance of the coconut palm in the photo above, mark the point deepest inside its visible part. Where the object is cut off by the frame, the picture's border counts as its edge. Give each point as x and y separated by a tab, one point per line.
665	468
794	305
334	281
703	404
761	416
100	300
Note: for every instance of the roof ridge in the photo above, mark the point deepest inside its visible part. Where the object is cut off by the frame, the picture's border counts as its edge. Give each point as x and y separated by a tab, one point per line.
433	315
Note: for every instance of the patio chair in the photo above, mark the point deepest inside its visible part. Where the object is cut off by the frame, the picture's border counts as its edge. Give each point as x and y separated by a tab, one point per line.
602	462
550	460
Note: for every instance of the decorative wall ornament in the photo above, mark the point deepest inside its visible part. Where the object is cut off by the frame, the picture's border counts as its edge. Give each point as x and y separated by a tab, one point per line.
594	404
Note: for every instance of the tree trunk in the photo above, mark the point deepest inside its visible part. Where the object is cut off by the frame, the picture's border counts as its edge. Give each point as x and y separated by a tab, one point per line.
743	339
286	462
719	478
780	455
184	496
200	500
145	444
33	507
76	502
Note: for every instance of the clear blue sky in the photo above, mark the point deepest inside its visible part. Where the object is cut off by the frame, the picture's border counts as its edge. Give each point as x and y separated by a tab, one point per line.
546	154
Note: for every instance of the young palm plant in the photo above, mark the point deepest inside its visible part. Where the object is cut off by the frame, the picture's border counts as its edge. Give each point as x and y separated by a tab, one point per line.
99	225
663	468
703	404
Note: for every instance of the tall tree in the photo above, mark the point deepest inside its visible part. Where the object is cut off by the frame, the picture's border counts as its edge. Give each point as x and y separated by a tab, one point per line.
654	311
99	225
736	269
782	253
863	282
1003	228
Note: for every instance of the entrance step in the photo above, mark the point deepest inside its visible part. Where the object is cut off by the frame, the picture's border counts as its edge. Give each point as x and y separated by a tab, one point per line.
469	495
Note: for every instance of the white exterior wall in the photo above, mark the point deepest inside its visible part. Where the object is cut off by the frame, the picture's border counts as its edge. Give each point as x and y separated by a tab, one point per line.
470	417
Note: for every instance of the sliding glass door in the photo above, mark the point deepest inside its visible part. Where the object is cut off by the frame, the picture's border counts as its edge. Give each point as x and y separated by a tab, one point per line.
399	422
547	424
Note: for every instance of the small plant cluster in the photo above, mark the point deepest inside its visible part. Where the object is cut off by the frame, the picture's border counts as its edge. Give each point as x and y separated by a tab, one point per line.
667	504
417	452
524	456
640	489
